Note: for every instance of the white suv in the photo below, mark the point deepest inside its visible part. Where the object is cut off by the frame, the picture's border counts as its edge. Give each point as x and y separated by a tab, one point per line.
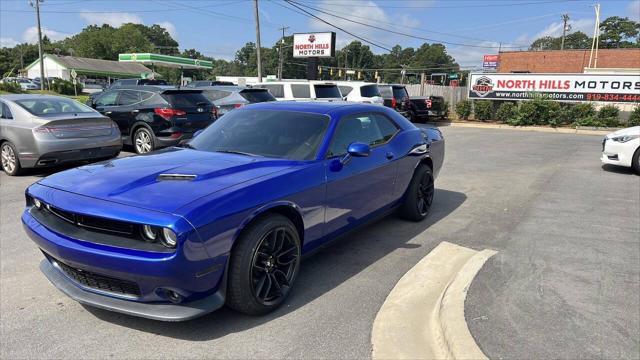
302	90
360	91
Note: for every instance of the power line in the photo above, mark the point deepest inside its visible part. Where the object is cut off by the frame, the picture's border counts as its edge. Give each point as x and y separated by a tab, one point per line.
454	6
398	32
128	11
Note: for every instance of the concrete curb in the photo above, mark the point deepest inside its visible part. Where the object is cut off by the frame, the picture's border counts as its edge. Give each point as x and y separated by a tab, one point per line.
529	128
423	316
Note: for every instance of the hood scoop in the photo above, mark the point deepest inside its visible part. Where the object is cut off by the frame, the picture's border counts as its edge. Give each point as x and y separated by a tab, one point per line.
176	177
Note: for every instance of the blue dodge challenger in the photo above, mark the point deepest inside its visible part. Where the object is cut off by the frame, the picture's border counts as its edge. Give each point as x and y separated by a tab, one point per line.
178	233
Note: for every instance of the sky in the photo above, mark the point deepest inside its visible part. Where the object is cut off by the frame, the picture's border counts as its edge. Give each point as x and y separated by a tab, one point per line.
217	28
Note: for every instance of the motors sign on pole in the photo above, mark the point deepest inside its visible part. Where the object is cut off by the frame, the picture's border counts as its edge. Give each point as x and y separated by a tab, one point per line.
560	87
490	61
314	45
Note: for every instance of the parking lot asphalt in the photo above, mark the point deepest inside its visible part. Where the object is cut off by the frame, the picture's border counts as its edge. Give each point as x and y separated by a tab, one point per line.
565	282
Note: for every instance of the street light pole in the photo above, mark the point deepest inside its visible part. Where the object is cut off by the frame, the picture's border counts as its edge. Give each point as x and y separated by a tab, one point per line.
281	54
259	60
36	4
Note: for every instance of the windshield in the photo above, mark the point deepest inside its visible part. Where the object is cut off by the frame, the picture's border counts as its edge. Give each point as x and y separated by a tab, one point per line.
52	106
271	133
369	91
327	91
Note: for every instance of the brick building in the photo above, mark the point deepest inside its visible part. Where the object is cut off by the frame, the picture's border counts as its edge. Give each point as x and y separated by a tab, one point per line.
566	61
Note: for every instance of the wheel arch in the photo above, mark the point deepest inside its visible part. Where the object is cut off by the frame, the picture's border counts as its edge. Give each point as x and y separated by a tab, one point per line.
136	125
288	209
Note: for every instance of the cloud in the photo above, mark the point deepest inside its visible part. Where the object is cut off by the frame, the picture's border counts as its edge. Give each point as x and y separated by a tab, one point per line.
114	19
364	11
555	30
7	42
633	10
171	29
30	35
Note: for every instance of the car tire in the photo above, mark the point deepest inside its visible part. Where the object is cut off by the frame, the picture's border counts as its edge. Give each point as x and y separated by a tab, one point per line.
419	195
263	265
143	141
9	159
635	161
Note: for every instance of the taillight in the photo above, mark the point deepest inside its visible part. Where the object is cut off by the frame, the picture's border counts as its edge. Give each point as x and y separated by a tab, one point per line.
428	103
168	113
394	102
237	105
214	112
42	130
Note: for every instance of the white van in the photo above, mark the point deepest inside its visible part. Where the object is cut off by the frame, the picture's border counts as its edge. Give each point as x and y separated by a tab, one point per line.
302	90
360	91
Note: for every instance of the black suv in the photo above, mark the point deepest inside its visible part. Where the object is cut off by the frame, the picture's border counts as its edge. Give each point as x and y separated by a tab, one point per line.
203	83
151	117
396	97
130	82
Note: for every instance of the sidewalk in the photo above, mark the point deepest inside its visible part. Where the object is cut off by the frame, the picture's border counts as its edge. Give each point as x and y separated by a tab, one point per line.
559	130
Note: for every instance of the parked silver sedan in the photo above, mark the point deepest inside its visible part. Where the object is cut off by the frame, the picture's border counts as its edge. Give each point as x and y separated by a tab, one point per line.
44	130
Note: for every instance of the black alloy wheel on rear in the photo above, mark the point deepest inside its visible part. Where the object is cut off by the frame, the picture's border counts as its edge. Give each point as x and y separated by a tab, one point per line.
274	266
419	195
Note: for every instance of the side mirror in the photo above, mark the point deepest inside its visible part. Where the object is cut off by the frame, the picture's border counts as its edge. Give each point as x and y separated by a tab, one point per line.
358	149
197	133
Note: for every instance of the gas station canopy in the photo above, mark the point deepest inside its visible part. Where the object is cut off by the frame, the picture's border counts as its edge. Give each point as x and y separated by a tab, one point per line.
166	60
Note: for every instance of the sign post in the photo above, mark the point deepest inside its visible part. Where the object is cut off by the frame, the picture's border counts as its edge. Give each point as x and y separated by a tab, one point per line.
74	79
313	46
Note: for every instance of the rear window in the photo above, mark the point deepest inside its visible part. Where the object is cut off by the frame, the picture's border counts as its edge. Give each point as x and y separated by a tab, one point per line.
399	92
275	90
369	91
185	99
257	95
214	95
327	91
385	91
300	91
53	106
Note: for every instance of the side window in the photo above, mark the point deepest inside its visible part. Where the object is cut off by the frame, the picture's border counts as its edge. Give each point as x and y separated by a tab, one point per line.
107	99
275	90
373	129
129	97
214	95
300	91
345	90
5	113
152	99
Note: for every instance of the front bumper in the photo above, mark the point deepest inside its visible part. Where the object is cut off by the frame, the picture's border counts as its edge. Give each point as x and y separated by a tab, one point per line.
617	153
155	311
101	271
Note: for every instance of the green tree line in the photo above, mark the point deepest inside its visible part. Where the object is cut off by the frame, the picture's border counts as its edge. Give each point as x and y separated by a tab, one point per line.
615	33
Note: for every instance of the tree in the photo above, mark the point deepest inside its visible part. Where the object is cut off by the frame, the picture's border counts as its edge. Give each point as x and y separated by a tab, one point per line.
617	32
575	40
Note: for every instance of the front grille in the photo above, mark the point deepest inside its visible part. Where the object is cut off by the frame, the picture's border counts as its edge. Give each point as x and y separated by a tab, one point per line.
92	222
99	282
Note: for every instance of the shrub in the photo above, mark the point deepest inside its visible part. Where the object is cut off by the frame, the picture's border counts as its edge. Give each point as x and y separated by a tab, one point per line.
482	110
65	87
592	121
506	111
634	119
10	86
608	114
583	111
537	112
463	109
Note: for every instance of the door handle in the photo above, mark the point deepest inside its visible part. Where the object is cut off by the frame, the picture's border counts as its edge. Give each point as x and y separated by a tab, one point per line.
107	112
135	111
389	155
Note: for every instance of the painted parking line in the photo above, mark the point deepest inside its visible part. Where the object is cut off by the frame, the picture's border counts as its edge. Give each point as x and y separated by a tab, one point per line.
423	316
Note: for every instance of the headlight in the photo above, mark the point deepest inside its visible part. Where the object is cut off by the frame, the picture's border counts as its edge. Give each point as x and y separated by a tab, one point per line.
149	233
169	238
625	138
37	203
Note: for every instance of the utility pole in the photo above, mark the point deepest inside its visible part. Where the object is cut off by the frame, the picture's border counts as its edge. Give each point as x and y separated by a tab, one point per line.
345	63
259	58
596	38
36	4
281	54
565	28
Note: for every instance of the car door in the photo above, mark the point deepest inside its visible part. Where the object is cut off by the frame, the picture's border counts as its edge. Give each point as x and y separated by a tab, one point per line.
362	185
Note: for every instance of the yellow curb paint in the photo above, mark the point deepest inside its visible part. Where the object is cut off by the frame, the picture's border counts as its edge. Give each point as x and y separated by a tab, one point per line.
423	316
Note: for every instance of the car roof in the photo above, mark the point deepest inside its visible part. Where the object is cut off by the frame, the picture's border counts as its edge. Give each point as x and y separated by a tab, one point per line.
154	88
225	87
14	97
313	107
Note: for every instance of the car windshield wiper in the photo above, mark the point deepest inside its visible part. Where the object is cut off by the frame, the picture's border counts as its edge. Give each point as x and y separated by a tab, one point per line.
236	152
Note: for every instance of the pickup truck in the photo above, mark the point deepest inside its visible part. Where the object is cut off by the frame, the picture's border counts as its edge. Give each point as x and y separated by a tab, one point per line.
425	108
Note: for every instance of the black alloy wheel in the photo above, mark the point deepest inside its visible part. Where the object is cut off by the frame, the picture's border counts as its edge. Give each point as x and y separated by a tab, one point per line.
263	265
274	266
419	195
425	194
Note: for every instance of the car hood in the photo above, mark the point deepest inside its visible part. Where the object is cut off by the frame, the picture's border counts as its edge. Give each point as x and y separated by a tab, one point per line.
136	180
628	131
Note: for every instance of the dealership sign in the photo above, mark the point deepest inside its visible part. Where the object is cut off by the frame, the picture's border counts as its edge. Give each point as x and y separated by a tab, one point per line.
561	87
314	45
490	61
